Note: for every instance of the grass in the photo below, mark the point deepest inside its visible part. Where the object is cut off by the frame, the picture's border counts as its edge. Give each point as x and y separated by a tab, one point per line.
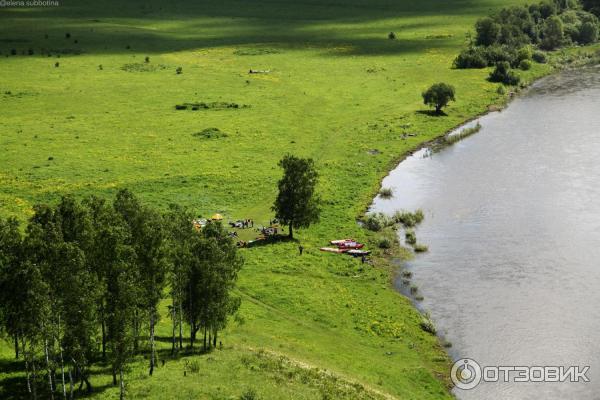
338	90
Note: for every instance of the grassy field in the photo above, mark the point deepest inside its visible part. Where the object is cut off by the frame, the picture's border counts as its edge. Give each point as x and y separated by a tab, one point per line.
337	90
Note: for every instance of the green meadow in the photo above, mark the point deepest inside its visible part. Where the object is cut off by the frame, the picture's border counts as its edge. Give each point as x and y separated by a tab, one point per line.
87	114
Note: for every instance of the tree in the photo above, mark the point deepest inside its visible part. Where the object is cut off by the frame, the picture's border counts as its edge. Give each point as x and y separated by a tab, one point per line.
552	33
502	73
588	33
181	240
297	205
148	236
592	6
209	280
438	96
11	309
488	31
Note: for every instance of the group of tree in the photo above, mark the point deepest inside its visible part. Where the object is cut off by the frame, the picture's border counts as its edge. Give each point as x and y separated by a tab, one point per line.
82	283
511	35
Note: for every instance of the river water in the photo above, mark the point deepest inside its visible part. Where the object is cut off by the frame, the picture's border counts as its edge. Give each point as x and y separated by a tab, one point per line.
512	276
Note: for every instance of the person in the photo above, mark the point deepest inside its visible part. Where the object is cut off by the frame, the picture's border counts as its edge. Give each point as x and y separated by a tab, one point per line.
300	249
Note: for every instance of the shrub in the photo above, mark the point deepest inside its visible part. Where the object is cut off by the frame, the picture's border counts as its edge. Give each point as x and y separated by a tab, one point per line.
420	248
13	52
502	73
540	57
473	57
428	326
411	237
438	96
525	65
179	70
501	90
67	35
147	59
408	219
496	54
552	33
211	133
56	64
249	394
524	53
588	33
385	243
571	33
30	51
391	36
386	193
488	31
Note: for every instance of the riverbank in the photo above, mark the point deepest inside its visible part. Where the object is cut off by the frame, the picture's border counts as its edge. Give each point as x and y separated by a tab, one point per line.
338	91
508	234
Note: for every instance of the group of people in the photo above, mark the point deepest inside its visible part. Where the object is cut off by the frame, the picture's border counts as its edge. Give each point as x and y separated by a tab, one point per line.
242	223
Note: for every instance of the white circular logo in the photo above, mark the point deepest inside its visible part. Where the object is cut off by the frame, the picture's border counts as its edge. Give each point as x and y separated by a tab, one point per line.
466	373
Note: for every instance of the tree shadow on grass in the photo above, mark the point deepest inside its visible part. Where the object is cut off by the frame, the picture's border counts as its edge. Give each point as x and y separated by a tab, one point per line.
353	27
432	113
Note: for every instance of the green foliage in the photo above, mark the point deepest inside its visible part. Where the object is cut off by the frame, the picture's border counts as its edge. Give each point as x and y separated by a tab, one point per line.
438	96
552	33
210	133
588	33
386	193
502	73
473	57
540	57
488	31
525	65
249	394
410	237
420	248
408	219
297	205
508	34
385	243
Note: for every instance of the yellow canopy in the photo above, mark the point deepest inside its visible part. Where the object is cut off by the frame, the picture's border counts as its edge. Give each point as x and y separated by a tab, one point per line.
217	217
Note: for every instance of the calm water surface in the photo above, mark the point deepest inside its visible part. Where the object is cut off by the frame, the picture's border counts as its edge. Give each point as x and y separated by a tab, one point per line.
513	227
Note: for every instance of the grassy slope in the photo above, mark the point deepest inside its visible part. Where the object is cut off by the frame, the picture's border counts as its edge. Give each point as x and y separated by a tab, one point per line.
337	89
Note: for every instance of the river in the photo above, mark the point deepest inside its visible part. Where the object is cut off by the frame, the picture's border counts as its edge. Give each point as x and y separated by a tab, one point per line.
512	221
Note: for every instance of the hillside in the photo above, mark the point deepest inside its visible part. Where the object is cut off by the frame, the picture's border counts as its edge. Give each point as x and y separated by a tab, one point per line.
86	113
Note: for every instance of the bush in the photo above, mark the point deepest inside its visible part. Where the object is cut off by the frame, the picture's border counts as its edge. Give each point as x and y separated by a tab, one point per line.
473	57
496	54
588	33
147	59
391	36
385	243
552	33
428	326
488	31
502	73
408	219
13	52
411	237
374	223
420	248
540	57
386	193
249	394
179	70
524	53
525	65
